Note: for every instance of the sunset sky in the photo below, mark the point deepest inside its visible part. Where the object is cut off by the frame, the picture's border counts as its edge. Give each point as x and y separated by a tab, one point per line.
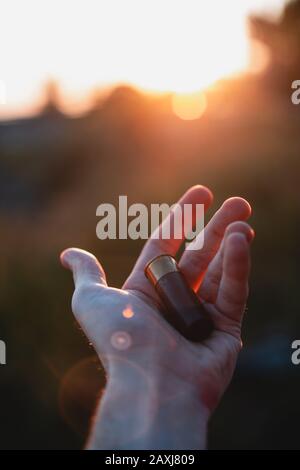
161	45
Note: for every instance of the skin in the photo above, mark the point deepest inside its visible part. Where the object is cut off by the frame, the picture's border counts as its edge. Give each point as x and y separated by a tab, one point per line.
161	388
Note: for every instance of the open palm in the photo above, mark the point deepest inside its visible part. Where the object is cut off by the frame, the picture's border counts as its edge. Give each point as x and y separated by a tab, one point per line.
126	327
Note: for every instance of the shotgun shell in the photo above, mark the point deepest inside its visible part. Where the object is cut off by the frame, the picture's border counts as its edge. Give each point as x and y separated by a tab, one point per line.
183	309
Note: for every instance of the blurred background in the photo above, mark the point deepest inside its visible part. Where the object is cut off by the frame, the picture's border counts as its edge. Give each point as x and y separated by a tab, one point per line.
144	98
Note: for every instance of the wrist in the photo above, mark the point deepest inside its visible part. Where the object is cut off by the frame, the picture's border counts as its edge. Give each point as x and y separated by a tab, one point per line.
149	410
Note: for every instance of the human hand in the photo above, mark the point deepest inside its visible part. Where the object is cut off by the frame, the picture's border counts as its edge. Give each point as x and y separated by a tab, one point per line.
128	331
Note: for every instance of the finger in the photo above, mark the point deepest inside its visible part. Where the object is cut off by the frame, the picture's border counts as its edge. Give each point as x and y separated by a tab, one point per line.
233	290
193	263
156	246
210	284
85	267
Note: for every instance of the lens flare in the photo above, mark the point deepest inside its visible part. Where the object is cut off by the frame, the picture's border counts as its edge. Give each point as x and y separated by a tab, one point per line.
128	312
121	340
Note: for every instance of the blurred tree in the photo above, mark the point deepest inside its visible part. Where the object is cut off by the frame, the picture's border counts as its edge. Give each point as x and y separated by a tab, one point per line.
282	38
51	99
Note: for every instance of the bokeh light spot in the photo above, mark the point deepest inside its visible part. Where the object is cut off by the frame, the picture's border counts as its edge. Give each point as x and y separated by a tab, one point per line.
128	312
121	340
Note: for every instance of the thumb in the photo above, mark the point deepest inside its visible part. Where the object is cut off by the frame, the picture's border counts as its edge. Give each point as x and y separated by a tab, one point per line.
85	267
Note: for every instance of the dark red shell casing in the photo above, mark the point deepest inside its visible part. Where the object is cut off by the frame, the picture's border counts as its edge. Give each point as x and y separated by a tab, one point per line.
183	309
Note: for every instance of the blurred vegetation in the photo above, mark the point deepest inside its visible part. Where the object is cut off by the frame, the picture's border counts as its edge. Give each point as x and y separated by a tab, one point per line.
54	172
